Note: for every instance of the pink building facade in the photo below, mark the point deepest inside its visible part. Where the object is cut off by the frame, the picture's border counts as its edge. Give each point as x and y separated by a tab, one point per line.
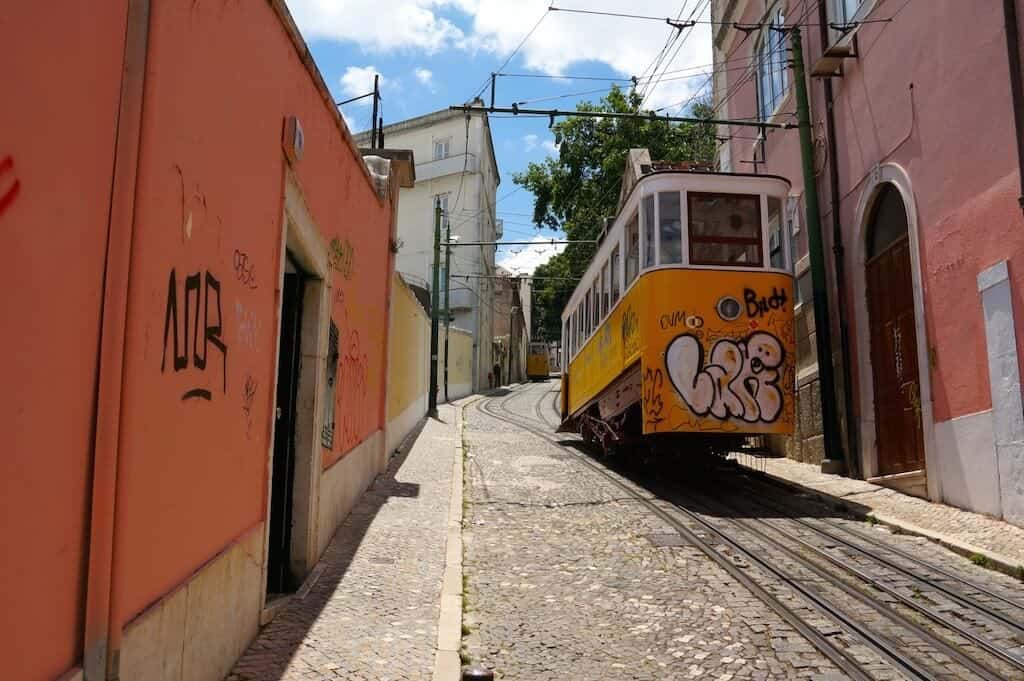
919	186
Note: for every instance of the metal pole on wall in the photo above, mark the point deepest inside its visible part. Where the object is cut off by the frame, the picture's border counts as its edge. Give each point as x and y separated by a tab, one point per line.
432	397
447	287
834	459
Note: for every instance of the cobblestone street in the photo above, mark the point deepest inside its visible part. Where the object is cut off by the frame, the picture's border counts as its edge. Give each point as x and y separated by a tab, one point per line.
568	576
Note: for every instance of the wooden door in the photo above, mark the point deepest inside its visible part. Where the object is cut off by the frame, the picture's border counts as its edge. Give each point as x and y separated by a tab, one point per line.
894	366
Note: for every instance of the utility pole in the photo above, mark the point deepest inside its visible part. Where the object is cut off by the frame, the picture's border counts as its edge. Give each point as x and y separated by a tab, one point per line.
834	460
376	96
447	287
432	398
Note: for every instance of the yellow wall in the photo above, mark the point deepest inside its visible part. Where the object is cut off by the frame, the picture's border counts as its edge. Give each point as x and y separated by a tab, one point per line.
460	368
409	352
700	372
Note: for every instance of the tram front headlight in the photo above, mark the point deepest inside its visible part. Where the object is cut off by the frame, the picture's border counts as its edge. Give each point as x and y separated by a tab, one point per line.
728	308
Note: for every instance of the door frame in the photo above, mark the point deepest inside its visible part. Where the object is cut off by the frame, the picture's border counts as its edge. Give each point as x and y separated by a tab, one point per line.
301	238
894	174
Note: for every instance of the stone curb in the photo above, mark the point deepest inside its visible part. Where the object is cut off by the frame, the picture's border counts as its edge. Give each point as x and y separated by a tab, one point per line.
996	561
447	663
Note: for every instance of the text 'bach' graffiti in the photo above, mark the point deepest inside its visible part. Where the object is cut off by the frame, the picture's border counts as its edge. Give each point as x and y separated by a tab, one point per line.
186	346
738	381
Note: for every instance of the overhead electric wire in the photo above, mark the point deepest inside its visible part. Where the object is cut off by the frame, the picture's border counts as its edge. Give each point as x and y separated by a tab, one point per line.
681	43
710	22
513	54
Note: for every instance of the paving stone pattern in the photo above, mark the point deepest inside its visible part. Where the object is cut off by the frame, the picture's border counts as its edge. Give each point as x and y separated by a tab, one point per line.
570	579
946	522
373	613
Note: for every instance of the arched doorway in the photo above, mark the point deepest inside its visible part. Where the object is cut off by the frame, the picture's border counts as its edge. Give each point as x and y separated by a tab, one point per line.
893	336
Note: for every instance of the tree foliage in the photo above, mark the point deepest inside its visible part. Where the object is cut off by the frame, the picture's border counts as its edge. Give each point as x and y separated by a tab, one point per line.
576	191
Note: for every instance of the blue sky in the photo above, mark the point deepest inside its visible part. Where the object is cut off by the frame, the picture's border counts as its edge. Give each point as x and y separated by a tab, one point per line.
435	53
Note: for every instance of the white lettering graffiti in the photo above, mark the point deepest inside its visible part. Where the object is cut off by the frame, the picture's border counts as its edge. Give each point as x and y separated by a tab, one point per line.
739	380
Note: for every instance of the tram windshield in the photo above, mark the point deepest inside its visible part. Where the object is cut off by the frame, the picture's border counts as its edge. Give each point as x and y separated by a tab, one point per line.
725	229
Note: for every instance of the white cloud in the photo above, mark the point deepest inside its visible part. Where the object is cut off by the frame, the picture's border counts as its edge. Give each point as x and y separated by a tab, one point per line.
531	142
564	40
402	25
358	80
525	259
424	76
494	28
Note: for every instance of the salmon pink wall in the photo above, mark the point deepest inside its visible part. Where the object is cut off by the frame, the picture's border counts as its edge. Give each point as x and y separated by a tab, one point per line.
929	91
221	79
57	128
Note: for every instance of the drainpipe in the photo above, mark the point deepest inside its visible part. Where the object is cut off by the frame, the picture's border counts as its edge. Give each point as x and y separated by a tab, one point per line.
1016	90
853	460
102	639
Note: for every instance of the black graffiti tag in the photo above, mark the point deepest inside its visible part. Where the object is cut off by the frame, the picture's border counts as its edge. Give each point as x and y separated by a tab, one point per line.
758	307
190	329
245	271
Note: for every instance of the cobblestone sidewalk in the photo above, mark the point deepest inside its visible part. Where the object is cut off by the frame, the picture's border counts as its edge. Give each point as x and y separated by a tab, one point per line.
373	613
965	532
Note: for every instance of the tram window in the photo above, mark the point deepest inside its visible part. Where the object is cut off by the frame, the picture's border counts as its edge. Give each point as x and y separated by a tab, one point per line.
596	318
649	231
776	238
670	227
725	229
587	325
632	250
606	281
565	332
615	275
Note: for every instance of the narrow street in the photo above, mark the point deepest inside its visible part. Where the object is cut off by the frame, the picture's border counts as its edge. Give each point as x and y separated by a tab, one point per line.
576	568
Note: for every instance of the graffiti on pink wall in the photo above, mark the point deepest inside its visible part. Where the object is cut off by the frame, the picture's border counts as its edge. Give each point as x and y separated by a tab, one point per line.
186	345
354	374
10	186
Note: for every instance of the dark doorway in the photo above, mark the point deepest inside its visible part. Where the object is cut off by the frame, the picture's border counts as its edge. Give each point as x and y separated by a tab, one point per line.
890	294
282	485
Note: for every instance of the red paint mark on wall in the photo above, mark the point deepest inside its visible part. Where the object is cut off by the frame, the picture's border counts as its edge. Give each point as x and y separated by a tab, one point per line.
7	196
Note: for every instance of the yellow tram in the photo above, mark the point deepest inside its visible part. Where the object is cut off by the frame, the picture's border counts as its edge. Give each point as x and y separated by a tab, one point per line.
538	362
683	322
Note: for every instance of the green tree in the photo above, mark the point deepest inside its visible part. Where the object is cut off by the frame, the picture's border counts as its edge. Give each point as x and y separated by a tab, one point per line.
578	190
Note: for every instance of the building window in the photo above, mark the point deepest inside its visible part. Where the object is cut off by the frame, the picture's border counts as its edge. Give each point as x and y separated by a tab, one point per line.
670	227
442	148
771	67
843	11
725	229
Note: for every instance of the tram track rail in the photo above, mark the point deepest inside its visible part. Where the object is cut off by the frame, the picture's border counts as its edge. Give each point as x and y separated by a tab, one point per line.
705	535
957	595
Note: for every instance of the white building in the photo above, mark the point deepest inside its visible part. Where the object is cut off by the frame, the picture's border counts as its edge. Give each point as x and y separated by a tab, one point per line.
456	164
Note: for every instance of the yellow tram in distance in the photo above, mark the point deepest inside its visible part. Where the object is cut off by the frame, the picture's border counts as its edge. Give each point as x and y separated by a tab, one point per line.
682	325
538	362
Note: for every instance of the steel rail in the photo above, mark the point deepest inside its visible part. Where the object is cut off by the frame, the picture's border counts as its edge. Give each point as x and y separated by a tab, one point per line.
837	656
882	644
880	607
961	598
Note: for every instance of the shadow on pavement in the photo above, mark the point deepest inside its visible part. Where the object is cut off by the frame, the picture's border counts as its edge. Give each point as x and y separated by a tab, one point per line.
268	656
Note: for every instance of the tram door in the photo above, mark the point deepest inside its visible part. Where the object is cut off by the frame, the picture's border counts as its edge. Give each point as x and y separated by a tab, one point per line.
890	293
